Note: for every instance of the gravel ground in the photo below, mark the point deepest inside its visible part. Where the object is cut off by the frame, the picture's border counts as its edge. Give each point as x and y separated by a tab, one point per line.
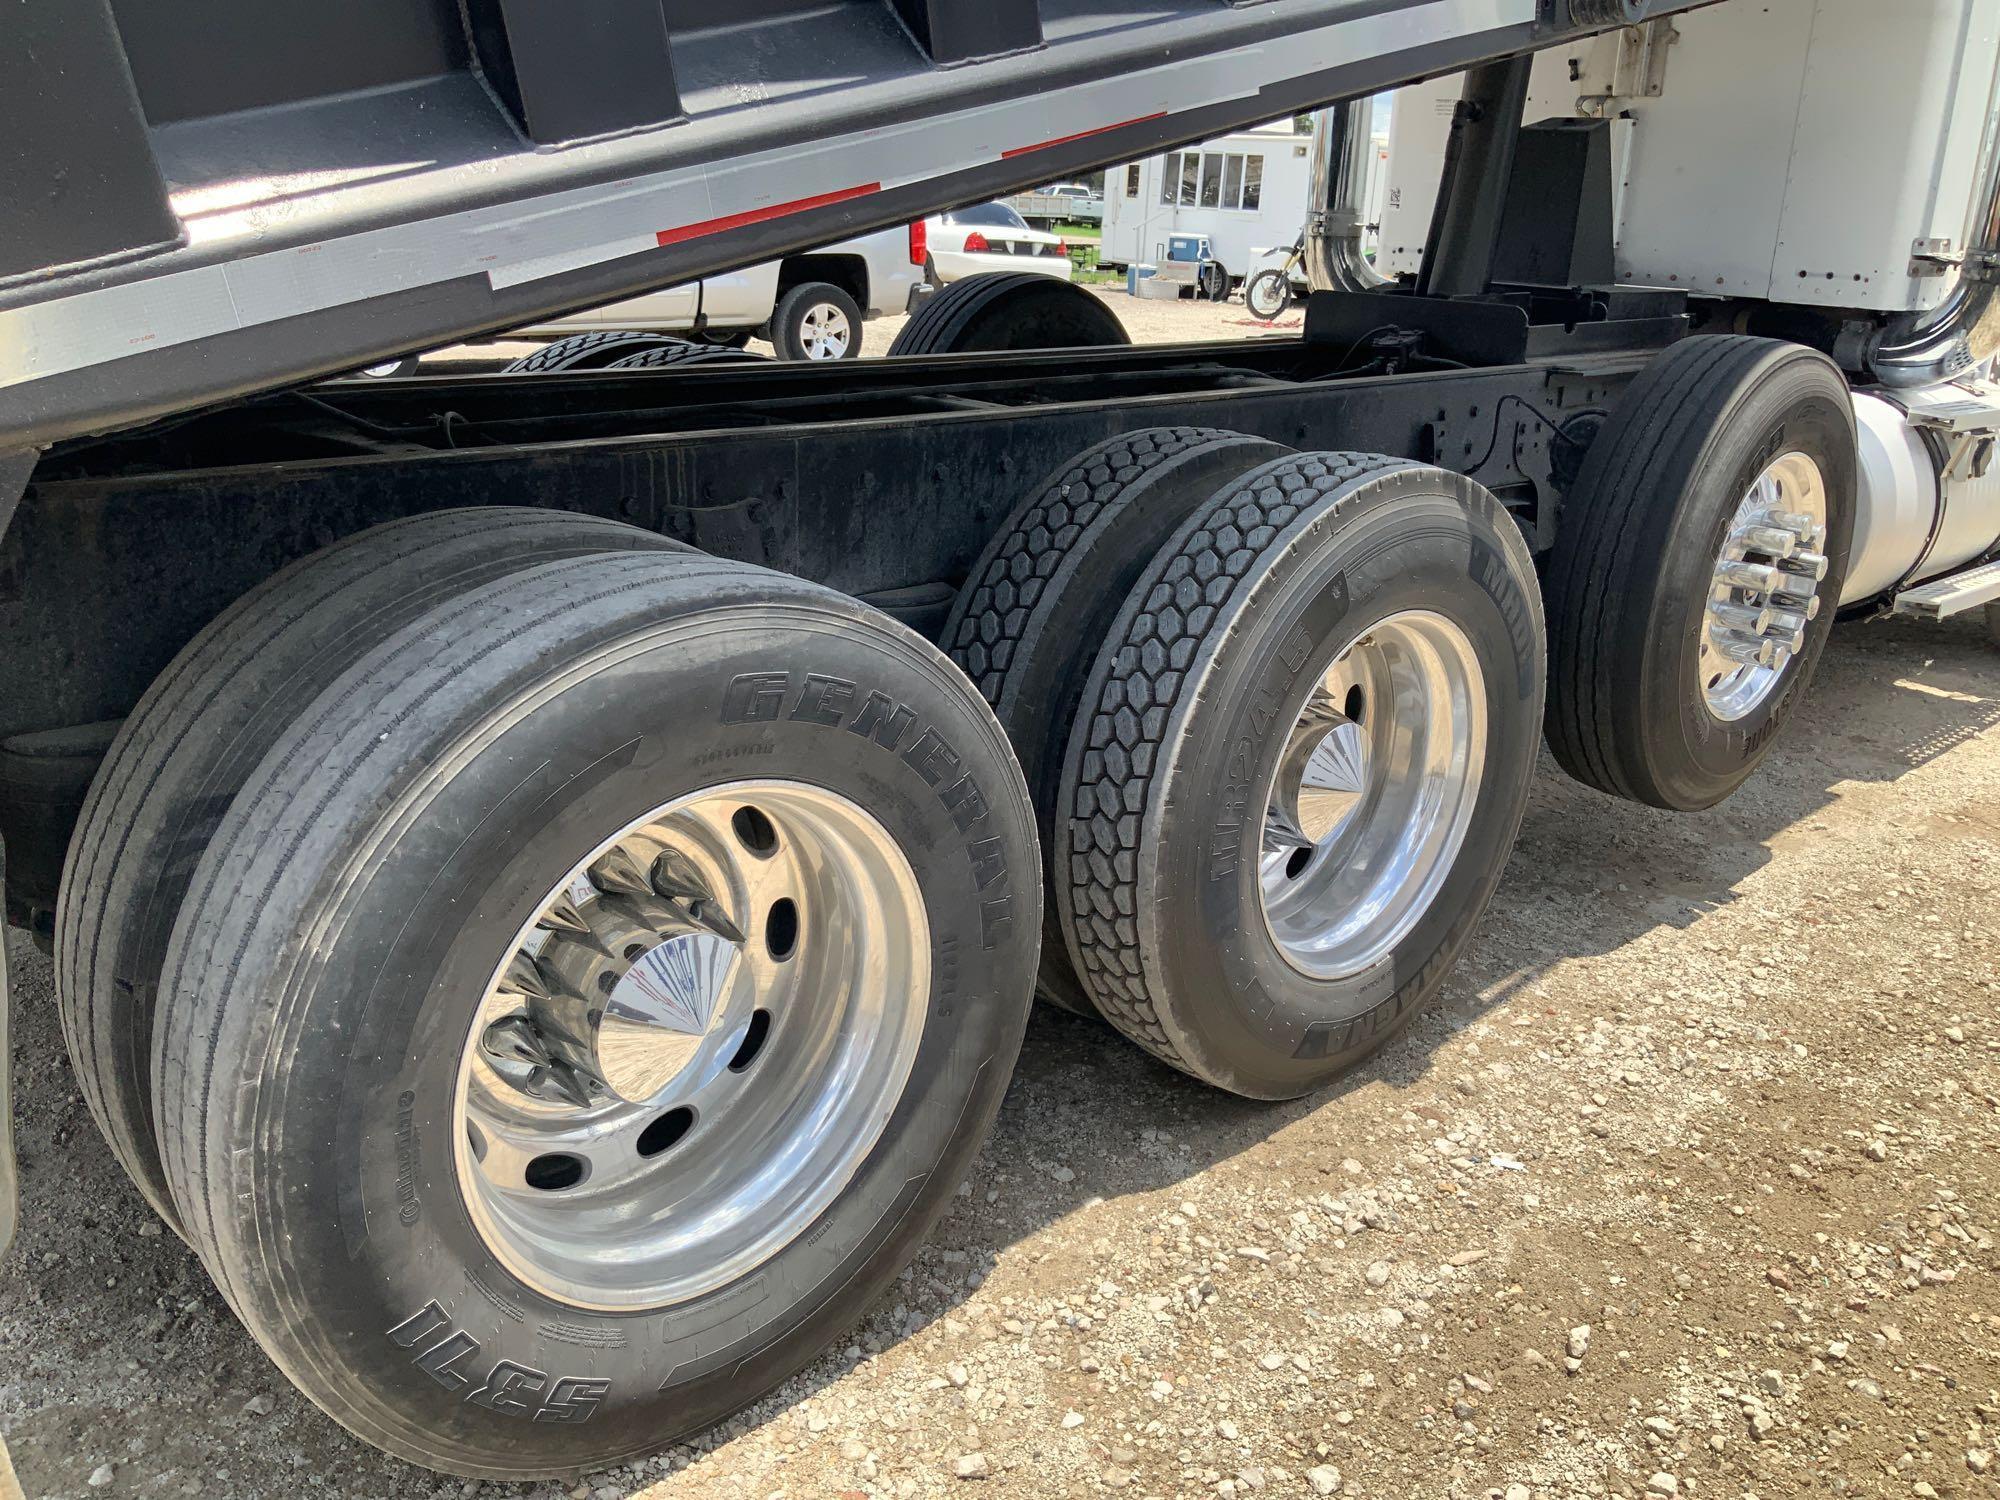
1688	1186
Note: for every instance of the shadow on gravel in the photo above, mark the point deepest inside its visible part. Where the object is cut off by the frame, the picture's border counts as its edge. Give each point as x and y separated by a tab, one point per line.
1591	873
118	1350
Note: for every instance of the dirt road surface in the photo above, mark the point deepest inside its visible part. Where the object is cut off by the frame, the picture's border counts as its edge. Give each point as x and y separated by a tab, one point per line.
1688	1186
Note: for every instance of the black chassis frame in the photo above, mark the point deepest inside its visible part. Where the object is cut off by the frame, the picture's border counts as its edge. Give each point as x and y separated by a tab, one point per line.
883	479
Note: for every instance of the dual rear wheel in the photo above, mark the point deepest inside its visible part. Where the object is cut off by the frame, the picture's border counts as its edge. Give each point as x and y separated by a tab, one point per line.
1280	757
578	972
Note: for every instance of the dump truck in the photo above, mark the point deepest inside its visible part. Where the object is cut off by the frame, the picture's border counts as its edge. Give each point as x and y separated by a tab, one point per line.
547	870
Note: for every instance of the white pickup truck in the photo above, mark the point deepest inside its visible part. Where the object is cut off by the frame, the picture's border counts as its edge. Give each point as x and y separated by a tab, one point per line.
809	306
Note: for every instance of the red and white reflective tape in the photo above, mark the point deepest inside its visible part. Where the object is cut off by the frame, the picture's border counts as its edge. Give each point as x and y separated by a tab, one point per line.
1082	135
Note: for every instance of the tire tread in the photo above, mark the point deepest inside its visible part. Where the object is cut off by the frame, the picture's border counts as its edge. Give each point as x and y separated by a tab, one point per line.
1142	676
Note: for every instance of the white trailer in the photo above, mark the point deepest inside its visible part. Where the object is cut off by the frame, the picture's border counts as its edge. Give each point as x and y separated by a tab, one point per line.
1247	191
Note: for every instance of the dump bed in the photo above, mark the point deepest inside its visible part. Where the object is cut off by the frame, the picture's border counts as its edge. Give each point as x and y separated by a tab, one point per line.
215	197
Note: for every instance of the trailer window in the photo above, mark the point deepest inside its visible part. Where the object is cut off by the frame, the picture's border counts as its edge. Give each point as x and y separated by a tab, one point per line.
1190	178
1211	181
1132	180
1170	178
1253	182
1232	181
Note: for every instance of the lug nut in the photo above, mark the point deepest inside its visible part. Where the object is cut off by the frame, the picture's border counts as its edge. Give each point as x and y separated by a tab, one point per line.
1811	565
1750	652
1749	618
1757	577
1773	541
1785	520
1788	623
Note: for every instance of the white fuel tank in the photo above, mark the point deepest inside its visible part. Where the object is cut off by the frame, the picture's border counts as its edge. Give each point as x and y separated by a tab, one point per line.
1929	499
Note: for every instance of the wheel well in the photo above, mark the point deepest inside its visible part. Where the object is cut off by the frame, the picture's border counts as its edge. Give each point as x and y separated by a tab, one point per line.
848	272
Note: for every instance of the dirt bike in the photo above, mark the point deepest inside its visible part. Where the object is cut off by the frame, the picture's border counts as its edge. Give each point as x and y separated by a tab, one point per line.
1268	293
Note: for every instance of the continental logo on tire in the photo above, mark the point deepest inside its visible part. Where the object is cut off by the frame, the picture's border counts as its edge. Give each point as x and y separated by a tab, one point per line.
839	704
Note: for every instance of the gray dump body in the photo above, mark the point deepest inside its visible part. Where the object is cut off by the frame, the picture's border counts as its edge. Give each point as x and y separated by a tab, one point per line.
216	197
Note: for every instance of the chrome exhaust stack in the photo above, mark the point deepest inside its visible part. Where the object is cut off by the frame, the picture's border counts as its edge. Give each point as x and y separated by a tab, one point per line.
1963	332
1338	189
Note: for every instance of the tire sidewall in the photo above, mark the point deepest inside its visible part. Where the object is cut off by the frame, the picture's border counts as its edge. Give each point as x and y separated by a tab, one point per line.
1794	408
1417	542
659	722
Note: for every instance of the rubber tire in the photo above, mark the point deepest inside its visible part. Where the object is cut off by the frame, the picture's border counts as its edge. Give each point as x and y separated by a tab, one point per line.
350	911
44	779
685	352
1264	279
787	320
1043	595
1188	708
998	310
1635	551
589	351
198	733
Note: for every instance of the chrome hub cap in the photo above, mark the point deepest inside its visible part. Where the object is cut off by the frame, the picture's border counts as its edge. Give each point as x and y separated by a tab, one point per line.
1374	790
1766	588
693	1046
825	332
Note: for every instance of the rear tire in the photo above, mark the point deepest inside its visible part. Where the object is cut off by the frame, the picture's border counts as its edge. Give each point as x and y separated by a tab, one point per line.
1642	535
589	351
355	914
1039	602
998	310
194	739
816	321
686	352
1267	970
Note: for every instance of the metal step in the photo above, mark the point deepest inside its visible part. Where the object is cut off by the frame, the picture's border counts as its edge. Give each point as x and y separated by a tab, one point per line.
1953	594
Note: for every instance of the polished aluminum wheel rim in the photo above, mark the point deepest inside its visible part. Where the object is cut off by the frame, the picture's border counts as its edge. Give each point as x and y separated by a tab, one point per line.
1765	589
825	332
1373	792
692	1047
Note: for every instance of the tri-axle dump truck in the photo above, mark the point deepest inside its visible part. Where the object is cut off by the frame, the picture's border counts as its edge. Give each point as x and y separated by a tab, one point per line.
547	871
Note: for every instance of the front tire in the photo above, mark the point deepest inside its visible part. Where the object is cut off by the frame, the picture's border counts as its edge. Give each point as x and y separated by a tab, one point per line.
1268	294
1654	586
410	856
